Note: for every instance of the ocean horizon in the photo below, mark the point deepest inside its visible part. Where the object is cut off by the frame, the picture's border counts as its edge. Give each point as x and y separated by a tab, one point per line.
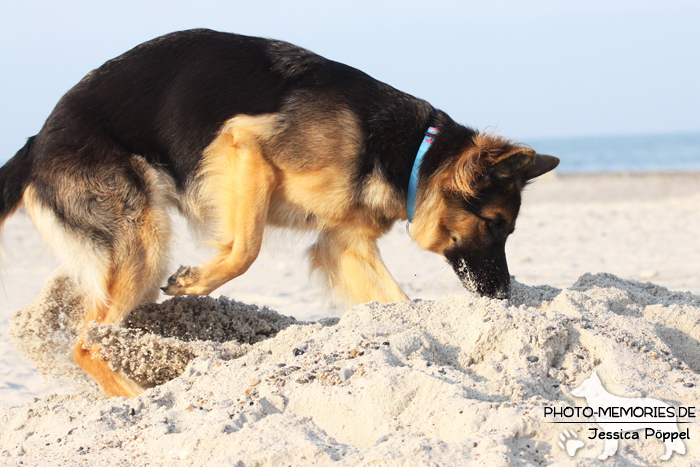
623	153
615	153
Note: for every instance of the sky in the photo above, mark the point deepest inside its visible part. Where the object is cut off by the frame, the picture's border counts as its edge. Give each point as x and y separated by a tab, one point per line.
529	69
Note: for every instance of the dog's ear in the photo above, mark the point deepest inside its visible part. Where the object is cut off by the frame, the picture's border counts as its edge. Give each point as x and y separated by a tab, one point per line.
541	165
512	165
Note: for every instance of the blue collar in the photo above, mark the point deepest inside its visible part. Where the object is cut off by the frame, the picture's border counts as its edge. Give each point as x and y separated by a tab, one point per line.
413	181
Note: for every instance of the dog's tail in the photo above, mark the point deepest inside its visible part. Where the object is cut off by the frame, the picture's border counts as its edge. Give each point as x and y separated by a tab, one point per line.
14	178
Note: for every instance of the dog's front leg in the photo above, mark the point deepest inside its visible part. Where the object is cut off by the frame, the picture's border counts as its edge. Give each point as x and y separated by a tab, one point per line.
350	261
240	183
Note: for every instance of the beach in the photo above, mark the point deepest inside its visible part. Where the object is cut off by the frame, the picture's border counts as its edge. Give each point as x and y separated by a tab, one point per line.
607	278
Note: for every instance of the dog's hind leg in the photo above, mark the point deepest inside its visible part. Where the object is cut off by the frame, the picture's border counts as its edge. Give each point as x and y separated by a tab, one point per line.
238	183
350	260
125	289
110	226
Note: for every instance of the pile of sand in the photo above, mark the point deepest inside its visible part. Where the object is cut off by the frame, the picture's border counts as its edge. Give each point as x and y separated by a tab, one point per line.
156	341
456	381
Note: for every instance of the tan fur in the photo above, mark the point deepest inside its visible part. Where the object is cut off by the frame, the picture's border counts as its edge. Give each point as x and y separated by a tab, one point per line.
435	220
350	260
378	195
136	271
308	140
315	157
466	171
154	232
248	181
124	292
428	229
113	281
238	183
323	193
112	383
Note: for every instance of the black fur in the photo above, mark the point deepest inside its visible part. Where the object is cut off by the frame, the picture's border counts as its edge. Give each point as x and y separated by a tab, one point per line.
166	99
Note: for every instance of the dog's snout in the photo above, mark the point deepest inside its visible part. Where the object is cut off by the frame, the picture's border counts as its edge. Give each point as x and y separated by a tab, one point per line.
498	291
487	278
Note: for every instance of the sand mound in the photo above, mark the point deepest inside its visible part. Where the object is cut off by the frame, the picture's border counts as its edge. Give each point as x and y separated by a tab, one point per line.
155	344
456	381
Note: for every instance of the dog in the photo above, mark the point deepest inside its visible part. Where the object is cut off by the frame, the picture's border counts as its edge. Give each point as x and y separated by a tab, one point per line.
241	132
598	398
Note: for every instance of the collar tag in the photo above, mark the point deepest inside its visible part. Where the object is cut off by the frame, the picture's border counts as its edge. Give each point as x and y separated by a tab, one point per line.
413	181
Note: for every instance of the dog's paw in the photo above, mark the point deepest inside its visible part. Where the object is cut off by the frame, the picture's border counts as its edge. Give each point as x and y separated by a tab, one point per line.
181	282
569	443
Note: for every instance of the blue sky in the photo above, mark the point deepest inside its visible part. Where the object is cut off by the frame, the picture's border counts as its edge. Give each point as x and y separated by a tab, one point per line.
530	69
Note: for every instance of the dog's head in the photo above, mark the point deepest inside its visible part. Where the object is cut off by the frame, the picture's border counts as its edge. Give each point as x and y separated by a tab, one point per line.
468	208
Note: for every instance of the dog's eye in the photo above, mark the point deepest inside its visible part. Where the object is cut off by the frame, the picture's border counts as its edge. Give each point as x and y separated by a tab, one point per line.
491	225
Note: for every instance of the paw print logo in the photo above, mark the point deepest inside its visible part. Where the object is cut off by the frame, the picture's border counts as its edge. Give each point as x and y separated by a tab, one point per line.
569	443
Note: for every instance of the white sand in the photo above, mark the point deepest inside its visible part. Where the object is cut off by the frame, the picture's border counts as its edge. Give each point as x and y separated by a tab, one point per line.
454	384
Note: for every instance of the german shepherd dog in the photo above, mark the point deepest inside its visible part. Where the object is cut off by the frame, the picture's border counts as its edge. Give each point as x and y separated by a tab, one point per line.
241	132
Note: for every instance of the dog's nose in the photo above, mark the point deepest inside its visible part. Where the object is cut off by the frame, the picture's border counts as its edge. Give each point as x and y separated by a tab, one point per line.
502	296
503	292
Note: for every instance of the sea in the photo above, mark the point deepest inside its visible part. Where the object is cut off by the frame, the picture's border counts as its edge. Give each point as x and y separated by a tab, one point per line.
637	153
604	154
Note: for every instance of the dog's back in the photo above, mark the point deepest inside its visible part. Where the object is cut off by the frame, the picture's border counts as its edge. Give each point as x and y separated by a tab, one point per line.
164	100
167	99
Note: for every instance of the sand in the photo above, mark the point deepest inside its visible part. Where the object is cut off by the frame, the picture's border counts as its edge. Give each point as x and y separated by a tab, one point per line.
447	379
